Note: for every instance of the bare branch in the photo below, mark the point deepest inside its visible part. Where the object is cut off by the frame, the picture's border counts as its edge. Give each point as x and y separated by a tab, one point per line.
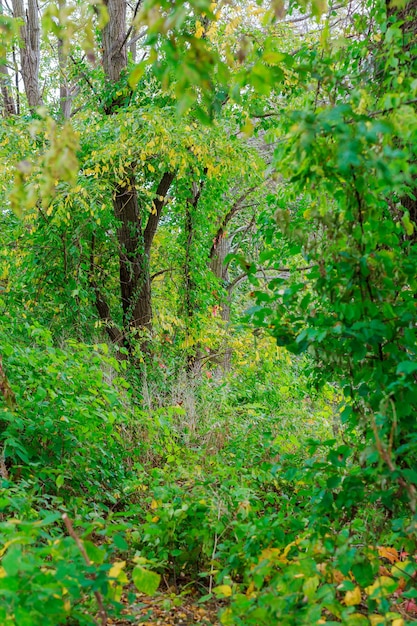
161	272
235	208
303	18
281	272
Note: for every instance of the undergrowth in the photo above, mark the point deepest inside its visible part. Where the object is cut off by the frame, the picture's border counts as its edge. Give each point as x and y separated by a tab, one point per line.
242	489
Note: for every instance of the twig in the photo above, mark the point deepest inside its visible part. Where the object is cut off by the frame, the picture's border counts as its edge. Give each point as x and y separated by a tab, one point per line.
73	534
161	272
303	18
279	271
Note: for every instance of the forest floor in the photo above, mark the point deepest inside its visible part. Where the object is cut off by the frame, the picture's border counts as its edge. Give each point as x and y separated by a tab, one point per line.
169	610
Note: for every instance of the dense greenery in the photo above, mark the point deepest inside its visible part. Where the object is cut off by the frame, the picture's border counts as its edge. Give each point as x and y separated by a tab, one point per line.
208	312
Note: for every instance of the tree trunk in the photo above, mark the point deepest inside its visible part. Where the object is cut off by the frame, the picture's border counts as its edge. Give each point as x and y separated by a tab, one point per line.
220	250
134	238
114	40
29	49
65	92
131	255
9	108
8	102
193	351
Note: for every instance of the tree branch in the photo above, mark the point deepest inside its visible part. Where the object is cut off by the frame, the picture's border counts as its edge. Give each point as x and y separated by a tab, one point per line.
103	309
235	208
161	272
158	204
303	18
261	270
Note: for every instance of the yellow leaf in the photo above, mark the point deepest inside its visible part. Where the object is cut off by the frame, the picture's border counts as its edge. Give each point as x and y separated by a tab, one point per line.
269	554
199	29
376	620
382	587
248	128
12	541
116	568
223	590
227	618
250	590
353	597
398	622
402	567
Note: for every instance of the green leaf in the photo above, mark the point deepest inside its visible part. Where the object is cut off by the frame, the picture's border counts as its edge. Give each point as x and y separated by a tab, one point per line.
408	224
410	475
59	480
145	580
363	573
120	543
407	367
96	555
136	74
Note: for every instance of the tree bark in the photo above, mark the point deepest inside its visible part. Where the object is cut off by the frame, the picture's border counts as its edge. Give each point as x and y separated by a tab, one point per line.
190	305
9	107
134	237
219	253
131	257
114	40
65	92
29	49
220	248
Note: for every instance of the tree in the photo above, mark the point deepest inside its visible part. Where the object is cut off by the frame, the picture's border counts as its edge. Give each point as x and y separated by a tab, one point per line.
29	48
348	159
258	157
128	162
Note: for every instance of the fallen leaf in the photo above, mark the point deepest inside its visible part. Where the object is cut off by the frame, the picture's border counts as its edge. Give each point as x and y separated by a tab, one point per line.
389	553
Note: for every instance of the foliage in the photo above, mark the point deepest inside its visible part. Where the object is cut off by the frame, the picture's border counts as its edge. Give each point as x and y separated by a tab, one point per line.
207	313
352	307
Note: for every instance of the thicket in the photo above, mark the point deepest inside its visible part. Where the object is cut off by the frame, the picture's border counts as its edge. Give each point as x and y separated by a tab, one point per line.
208	312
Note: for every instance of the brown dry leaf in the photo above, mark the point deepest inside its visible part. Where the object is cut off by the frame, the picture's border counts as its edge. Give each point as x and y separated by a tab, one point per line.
337	576
389	553
151	612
